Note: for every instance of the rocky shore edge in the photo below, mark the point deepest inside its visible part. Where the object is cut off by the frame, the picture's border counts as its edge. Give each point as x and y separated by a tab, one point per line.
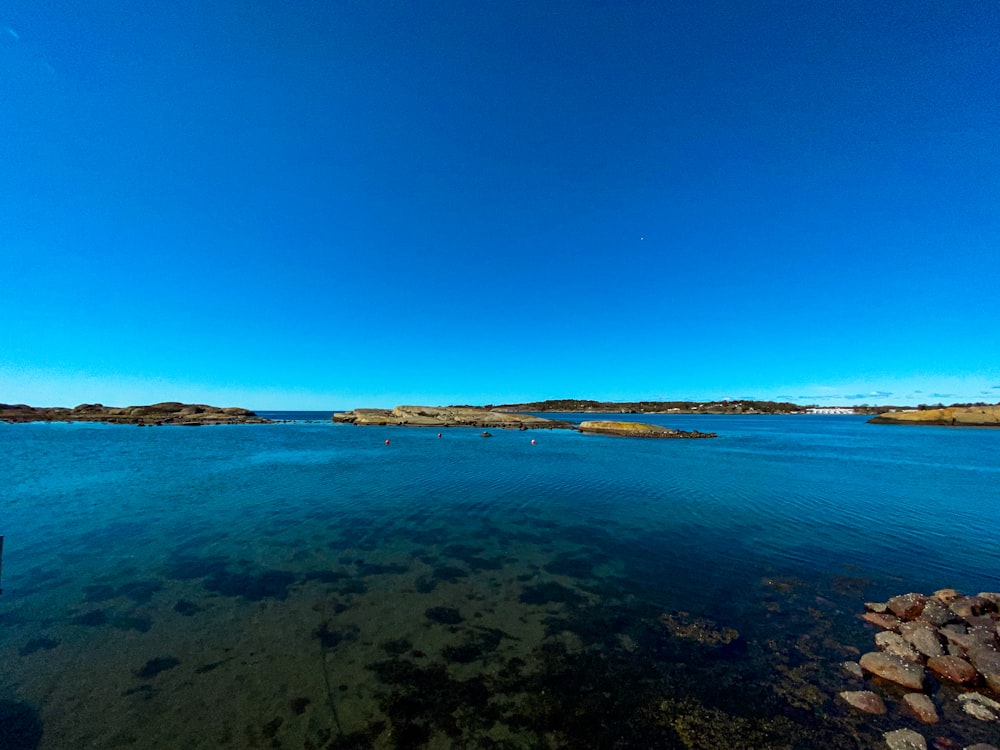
471	416
164	413
949	416
939	652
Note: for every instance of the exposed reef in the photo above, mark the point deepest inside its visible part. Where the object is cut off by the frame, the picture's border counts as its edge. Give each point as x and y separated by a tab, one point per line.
639	429
168	412
950	416
446	416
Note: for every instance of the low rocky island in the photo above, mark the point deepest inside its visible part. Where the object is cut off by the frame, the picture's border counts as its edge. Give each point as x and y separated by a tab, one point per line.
447	416
165	413
474	416
639	429
950	416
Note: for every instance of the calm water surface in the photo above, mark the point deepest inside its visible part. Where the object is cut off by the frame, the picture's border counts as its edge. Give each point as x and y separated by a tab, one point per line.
305	585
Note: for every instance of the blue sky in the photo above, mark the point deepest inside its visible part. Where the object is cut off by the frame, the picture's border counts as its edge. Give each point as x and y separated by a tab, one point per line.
331	204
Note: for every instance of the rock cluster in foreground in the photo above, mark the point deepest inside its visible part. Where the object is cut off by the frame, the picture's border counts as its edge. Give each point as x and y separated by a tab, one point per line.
167	412
947	639
951	416
446	416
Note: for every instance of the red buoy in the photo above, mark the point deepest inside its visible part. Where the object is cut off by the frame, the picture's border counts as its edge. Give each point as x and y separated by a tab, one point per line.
387	441
532	441
439	434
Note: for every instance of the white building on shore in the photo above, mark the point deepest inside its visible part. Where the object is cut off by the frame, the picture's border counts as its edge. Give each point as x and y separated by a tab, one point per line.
831	410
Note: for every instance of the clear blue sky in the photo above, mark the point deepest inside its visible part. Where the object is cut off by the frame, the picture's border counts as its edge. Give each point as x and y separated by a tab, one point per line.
337	204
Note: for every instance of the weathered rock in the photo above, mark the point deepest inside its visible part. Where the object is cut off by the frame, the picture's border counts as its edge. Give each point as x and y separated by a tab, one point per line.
167	412
886	621
979	706
864	700
905	739
971	606
987	662
937	614
922	636
895	669
953	669
893	643
945	596
876	607
853	669
993	596
907	606
922	707
980	746
958	635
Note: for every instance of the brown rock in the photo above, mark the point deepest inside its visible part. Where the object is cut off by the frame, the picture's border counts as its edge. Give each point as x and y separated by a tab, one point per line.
937	614
907	606
992	596
893	643
864	700
971	606
953	669
958	635
946	596
922	707
987	663
981	746
853	669
979	706
887	622
922	636
876	607
905	739
895	669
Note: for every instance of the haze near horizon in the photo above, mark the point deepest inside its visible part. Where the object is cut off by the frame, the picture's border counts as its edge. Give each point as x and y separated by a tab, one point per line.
321	205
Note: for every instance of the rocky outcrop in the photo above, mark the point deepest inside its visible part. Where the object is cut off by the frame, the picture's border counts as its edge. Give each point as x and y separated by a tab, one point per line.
952	416
638	429
167	412
446	416
944	644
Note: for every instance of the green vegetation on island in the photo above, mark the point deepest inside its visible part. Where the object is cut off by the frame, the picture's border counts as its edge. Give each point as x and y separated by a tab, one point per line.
167	412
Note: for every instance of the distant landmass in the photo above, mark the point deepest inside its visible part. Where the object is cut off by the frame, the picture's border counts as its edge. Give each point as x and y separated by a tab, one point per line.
166	413
743	406
980	415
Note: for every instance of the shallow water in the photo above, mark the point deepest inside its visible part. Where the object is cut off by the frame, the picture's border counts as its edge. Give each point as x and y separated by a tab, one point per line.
305	585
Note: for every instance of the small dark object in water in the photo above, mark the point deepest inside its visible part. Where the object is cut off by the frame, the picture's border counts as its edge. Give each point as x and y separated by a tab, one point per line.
444	615
37	644
154	666
486	434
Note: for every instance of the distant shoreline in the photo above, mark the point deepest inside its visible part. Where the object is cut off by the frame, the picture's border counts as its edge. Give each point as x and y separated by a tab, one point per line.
164	413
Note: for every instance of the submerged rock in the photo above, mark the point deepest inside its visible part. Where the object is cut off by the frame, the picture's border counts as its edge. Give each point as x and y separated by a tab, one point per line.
953	669
922	707
895	669
905	739
979	706
864	700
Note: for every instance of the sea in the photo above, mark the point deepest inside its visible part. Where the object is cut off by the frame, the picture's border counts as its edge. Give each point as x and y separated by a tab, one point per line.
313	585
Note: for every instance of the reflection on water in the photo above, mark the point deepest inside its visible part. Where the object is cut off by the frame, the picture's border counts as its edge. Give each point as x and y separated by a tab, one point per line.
304	585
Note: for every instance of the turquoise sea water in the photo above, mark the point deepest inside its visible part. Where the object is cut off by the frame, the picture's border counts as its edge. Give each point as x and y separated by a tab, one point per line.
305	585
